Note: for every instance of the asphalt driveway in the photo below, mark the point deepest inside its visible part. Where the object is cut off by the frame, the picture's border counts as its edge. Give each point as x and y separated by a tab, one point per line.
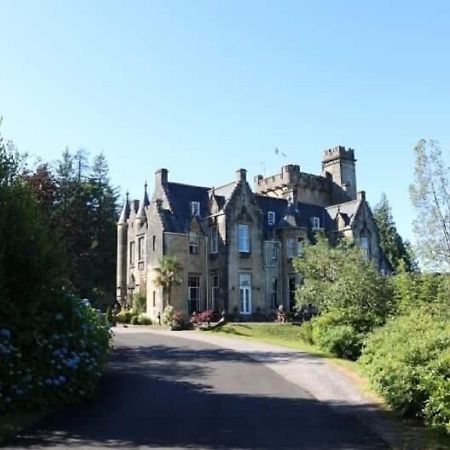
166	391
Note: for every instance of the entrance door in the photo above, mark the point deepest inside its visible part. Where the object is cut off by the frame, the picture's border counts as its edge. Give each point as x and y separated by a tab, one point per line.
245	293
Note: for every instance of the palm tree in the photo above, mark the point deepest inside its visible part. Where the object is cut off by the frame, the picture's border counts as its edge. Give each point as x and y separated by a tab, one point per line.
168	274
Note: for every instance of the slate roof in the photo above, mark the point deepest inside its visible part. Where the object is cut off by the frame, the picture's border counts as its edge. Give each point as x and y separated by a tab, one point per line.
286	216
180	197
347	210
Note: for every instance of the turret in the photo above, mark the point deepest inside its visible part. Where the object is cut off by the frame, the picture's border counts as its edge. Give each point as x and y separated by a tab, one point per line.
141	216
338	164
122	235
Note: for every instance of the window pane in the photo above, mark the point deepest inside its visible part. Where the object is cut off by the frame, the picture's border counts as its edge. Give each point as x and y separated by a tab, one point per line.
244	238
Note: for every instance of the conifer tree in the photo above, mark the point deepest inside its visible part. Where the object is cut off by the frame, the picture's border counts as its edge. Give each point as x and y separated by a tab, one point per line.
395	249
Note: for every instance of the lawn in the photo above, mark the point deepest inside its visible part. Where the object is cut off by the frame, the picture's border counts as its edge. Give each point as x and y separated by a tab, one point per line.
286	335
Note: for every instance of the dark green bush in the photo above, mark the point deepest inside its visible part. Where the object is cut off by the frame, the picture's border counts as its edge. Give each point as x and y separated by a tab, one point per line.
139	304
306	332
53	346
408	362
68	353
331	335
144	320
125	316
134	320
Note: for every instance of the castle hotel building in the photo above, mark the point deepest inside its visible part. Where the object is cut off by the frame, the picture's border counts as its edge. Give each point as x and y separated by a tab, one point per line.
235	244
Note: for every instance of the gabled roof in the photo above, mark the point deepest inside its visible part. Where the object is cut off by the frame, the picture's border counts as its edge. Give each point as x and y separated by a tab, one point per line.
347	211
181	196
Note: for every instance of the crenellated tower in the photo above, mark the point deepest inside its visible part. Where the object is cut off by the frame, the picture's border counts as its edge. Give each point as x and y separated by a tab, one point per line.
338	164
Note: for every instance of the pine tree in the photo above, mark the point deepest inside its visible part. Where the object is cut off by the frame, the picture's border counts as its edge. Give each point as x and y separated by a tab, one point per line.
395	249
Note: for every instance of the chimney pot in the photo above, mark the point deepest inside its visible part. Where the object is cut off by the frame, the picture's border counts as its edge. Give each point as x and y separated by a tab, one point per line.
241	175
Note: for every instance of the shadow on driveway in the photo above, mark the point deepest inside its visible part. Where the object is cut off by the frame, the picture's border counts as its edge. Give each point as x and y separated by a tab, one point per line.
194	395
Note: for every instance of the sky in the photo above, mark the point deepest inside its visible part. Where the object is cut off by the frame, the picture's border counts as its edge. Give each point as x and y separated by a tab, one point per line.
203	88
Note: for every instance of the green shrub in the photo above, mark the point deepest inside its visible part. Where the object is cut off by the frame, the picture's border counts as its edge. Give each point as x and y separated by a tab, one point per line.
144	320
139	304
70	347
408	362
305	332
332	336
180	322
167	316
134	320
124	316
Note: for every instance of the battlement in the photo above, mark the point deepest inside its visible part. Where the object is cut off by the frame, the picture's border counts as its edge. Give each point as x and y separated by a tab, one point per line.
289	175
339	152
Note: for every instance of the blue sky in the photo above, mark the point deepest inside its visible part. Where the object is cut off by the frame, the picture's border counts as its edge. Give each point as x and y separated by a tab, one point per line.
206	87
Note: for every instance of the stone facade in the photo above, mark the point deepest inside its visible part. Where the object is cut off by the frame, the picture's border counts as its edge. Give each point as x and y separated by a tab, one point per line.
236	245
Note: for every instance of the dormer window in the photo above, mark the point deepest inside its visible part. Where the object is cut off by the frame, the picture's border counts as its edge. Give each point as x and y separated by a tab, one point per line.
315	223
195	209
271	217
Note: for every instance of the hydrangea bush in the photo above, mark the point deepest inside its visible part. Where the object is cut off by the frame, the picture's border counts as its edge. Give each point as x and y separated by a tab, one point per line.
57	362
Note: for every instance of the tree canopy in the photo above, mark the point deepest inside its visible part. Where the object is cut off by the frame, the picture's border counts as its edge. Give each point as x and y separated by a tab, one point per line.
392	244
430	195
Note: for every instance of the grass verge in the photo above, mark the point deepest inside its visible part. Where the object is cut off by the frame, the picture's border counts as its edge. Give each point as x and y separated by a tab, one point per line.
289	336
285	335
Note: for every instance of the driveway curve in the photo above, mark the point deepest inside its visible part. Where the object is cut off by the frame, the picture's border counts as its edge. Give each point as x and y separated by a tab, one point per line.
179	391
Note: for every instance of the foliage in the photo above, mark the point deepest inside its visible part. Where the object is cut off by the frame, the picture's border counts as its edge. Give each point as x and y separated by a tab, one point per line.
392	244
134	320
168	275
78	202
167	315
408	362
53	347
205	317
68	355
139	304
180	322
330	335
306	332
421	290
340	280
430	195
144	320
125	316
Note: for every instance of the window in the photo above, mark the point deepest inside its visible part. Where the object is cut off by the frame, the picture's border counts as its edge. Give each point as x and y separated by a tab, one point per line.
274	250
244	238
194	293
214	239
245	293
274	294
292	285
365	246
315	223
215	291
271	217
290	248
154	299
154	243
141	248
195	209
132	252
193	243
300	246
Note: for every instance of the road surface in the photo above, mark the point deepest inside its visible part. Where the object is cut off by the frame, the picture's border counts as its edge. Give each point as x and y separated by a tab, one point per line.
165	391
